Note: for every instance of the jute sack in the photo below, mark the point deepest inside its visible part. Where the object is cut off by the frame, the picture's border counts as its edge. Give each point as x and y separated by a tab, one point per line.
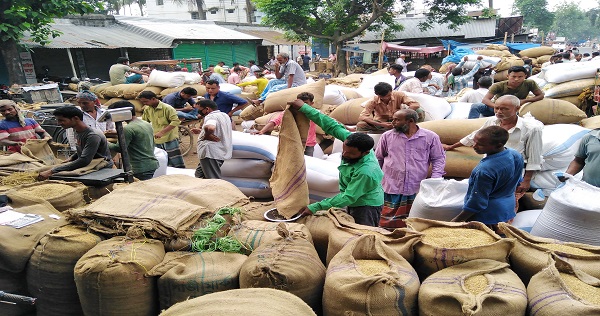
349	111
320	226
277	101
569	88
14	283
201	89
15	254
530	254
255	233
350	93
247	302
490	53
591	123
139	107
291	265
496	47
127	91
452	131
40	149
252	112
552	111
478	287
536	52
62	195
50	275
501	76
369	278
113	100
99	89
444	68
260	122
256	210
561	288
460	162
572	99
156	90
450	245
543	59
508	62
185	275
110	277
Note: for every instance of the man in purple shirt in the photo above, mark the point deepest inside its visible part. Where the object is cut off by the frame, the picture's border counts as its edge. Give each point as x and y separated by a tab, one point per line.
405	154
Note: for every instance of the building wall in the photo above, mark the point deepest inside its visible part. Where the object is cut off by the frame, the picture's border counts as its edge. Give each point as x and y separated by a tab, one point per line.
212	53
224	11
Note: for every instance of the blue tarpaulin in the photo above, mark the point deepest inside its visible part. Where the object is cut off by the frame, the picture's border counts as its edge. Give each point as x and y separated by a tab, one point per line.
457	54
450	44
517	47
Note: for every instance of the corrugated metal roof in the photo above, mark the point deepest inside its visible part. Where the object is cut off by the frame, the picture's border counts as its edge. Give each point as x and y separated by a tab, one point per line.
110	36
270	37
184	29
474	29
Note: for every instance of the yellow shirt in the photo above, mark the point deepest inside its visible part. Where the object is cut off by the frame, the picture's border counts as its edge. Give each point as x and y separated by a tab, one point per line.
160	117
261	84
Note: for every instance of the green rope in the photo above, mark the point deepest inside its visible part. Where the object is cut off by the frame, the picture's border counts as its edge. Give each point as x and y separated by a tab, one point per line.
203	239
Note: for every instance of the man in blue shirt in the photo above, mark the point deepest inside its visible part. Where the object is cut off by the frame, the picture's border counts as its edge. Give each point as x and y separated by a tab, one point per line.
227	102
490	197
183	101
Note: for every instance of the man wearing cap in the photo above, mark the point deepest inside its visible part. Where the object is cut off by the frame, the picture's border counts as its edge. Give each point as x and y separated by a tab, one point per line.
117	73
16	129
90	105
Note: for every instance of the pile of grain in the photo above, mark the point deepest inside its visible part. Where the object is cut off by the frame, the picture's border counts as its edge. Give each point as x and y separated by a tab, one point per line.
47	191
18	178
567	249
444	237
372	267
586	292
476	284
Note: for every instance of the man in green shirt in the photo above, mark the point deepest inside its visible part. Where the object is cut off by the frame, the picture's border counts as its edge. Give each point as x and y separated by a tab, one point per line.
118	70
139	143
360	175
165	124
516	85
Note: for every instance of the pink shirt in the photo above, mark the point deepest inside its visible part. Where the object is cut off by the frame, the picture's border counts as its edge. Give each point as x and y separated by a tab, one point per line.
405	162
311	138
234	78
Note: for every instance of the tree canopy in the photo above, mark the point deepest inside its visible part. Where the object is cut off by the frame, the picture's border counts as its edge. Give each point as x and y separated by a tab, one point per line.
573	23
535	13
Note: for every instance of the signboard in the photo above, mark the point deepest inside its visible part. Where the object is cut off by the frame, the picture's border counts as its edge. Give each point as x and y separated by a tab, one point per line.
28	68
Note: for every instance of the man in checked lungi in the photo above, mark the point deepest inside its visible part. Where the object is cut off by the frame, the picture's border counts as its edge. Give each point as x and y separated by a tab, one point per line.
405	154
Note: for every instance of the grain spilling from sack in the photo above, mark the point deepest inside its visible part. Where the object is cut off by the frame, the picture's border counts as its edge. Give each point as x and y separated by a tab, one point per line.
476	284
445	237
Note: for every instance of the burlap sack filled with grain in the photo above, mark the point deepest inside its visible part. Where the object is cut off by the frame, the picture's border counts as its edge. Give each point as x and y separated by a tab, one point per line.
400	240
139	107
369	278
552	111
350	94
351	81
256	210
113	100
260	122
497	47
277	101
14	283
508	62
543	59
460	162
530	254
349	112
288	181
478	287
98	90
491	53
201	89
537	51
444	68
445	244
50	276
452	131
127	91
569	88
61	195
591	123
15	254
501	76
190	274
572	99
563	289
110	277
156	90
255	233
291	264
320	226
247	302
40	149
252	112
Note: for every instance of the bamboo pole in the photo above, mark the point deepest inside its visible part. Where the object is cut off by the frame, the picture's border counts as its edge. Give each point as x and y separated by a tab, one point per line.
381	52
505	36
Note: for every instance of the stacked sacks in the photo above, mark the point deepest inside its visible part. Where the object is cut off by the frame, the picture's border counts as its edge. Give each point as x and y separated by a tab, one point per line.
253	233
251	163
435	108
460	162
446	244
322	177
591	123
571	214
536	52
508	62
553	111
563	288
333	95
291	264
368	83
277	101
165	79
50	270
477	287
201	89
439	199
368	277
348	113
184	275
530	254
126	91
568	89
559	73
110	277
320	225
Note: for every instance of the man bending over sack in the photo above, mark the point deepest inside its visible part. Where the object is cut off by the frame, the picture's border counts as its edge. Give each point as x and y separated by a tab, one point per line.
360	175
16	129
91	143
490	197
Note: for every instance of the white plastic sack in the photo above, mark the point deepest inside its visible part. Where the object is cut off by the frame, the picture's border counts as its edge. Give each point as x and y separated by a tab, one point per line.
249	78
526	219
561	142
310	80
247	168
435	108
187	172
369	82
439	199
486	61
191	77
539	80
250	146
258	188
333	96
572	213
162	158
460	110
318	152
231	88
547	180
322	175
558	73
166	79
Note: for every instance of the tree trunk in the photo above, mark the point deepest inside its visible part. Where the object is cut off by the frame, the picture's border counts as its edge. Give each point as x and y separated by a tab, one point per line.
340	65
10	55
141	5
201	12
249	11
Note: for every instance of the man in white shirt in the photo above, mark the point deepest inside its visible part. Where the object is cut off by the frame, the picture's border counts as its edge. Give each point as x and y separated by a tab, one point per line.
435	83
90	105
416	84
476	96
215	140
401	61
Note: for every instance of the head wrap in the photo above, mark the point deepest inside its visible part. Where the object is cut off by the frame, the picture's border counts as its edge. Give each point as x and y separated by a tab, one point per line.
20	115
88	95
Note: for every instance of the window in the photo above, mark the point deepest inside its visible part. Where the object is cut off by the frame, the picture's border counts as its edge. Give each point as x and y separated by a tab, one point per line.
230	10
160	2
195	16
213	12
